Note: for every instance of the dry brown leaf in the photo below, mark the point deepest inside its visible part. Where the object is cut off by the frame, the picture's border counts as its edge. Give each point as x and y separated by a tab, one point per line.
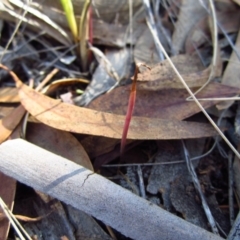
9	95
190	13
62	82
9	123
200	33
111	68
231	75
81	120
145	50
4	111
58	142
165	103
7	193
162	75
237	1
96	146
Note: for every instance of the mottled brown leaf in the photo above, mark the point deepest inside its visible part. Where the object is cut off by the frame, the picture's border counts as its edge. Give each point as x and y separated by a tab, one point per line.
162	75
165	103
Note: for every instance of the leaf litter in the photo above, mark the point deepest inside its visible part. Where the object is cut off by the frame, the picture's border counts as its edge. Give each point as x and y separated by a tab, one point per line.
81	120
161	113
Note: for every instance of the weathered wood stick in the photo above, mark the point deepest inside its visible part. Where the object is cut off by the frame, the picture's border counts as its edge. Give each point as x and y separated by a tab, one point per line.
93	194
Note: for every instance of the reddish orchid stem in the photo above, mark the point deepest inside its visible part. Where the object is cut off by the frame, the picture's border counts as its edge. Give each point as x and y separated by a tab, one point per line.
131	104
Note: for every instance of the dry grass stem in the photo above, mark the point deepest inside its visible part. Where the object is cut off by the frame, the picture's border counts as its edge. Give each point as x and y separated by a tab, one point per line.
14	222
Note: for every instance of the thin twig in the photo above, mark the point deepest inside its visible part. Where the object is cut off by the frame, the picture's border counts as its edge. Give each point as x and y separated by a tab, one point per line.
199	190
151	24
230	188
162	163
107	64
141	183
47	79
41	16
216	99
131	26
234	233
12	219
111	232
224	33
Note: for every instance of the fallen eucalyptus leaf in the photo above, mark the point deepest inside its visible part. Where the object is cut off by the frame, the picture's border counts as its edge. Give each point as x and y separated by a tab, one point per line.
163	103
9	95
86	121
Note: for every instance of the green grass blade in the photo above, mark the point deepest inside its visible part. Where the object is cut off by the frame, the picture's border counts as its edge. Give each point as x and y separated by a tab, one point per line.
68	9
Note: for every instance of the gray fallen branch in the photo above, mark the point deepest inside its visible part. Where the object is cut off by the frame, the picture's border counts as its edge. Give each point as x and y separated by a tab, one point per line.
71	183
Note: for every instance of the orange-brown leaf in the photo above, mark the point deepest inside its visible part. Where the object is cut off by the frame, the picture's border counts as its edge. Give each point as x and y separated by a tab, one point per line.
81	120
9	95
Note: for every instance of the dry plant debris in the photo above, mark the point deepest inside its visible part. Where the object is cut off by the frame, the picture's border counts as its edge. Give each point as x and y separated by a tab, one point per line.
93	69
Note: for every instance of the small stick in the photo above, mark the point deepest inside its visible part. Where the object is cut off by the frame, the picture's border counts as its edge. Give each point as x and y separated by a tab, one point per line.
197	186
230	189
47	79
141	183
